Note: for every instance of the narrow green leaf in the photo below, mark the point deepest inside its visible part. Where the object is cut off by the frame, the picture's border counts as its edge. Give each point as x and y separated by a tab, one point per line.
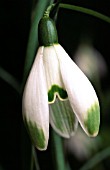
33	37
86	11
100	156
8	78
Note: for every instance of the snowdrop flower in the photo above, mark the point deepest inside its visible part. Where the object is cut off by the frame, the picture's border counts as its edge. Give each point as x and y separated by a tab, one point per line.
57	91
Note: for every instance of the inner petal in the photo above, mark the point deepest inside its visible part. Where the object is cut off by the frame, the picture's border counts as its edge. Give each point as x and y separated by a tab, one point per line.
55	86
62	118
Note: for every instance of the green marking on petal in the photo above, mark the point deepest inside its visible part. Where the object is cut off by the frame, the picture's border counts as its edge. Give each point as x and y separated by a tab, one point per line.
62	118
56	89
36	134
93	119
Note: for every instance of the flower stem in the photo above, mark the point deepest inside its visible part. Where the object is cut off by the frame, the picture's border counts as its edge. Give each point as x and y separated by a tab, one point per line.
58	152
86	11
34	161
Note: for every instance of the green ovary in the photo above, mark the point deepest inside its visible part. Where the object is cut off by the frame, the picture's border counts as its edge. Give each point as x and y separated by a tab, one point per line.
93	119
56	89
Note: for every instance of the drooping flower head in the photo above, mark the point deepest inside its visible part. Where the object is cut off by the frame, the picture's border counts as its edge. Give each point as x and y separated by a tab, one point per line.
57	91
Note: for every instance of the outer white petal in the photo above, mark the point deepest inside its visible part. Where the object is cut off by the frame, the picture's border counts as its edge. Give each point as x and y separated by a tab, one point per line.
81	93
35	104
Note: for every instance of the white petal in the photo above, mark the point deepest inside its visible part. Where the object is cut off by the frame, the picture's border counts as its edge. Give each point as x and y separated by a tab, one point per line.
35	104
53	75
62	118
81	93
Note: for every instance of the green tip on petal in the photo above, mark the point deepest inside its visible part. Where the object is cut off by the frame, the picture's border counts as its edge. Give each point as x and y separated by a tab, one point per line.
93	120
62	94
36	134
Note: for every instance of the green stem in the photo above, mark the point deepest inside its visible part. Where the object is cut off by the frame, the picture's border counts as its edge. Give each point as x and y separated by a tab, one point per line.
57	148
86	11
34	161
96	159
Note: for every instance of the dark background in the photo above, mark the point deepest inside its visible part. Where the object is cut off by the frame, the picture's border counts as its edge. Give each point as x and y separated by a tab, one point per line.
14	31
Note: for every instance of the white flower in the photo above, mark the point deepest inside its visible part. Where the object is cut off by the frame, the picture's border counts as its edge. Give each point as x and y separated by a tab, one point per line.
58	89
